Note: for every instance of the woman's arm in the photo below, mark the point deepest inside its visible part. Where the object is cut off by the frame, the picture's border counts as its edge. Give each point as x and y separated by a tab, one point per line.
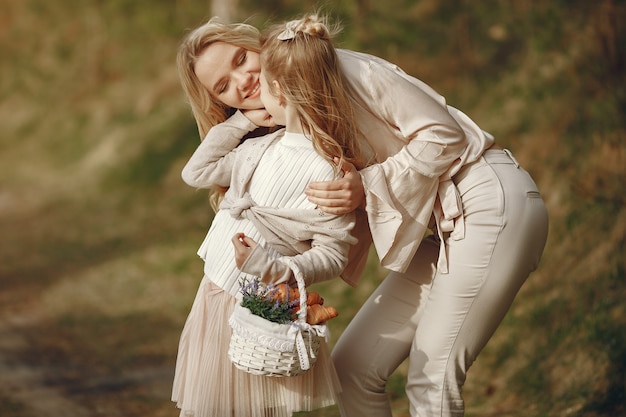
211	163
339	196
406	115
416	140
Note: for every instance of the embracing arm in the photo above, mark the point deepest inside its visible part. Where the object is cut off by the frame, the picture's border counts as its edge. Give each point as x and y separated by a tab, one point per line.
211	163
405	122
432	138
417	141
340	196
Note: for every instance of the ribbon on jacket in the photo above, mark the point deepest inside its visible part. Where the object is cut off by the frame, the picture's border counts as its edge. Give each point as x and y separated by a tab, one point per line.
448	211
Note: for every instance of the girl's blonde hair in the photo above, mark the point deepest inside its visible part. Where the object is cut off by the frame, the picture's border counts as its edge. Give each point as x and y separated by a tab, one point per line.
301	57
206	110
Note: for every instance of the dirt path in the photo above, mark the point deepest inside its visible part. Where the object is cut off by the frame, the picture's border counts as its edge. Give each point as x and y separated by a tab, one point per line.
30	390
23	385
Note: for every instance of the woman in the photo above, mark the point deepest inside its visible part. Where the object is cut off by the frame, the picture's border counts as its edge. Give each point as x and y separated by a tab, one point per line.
434	167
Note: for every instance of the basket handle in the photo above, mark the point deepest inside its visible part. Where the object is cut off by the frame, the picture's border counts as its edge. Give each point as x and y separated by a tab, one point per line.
301	288
300	345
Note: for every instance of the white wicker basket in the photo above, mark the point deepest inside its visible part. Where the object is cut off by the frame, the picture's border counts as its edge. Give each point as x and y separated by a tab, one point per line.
261	347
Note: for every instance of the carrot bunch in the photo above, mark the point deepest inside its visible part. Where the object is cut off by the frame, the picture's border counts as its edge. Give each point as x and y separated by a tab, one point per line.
316	312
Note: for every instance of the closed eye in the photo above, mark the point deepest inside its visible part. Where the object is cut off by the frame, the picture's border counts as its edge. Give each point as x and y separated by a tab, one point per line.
221	88
242	58
238	60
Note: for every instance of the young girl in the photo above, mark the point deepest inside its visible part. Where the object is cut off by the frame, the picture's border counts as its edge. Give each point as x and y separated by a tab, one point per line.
267	216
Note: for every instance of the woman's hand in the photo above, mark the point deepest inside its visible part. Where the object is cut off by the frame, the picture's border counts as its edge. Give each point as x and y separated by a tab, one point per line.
259	117
339	196
243	247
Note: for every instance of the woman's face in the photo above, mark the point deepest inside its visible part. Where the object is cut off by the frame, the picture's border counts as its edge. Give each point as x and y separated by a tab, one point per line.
231	75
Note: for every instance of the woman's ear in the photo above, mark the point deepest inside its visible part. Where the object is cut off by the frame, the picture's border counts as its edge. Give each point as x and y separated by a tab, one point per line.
279	92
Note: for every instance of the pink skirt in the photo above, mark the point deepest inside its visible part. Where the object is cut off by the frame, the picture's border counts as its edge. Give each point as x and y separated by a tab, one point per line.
207	384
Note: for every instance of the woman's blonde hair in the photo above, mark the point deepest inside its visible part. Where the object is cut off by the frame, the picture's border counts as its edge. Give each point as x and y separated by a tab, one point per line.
206	110
301	57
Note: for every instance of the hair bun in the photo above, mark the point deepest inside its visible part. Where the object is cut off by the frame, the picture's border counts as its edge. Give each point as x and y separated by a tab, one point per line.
313	25
310	25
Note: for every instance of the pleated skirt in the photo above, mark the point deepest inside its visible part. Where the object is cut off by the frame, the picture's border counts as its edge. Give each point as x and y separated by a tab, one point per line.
207	384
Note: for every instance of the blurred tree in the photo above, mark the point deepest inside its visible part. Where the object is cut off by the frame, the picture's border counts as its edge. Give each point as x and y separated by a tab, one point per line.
225	9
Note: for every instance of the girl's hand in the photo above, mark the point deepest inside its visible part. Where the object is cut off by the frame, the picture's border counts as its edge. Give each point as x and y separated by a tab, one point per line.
259	117
243	247
339	196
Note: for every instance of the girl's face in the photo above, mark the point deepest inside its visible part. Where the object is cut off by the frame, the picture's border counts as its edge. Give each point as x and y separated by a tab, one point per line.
231	75
271	102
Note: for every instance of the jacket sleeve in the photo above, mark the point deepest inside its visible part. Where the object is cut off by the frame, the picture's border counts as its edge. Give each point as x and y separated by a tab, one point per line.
326	259
401	188
211	163
262	265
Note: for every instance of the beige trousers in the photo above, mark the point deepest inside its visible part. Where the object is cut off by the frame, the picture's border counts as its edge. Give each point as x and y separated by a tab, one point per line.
443	321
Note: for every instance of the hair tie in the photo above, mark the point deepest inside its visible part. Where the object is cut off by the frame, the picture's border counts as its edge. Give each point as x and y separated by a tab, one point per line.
290	31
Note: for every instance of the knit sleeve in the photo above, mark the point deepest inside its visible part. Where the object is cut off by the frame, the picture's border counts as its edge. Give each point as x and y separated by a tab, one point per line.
212	162
328	238
328	255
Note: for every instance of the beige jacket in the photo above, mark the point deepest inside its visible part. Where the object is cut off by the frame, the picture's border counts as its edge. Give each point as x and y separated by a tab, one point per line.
419	143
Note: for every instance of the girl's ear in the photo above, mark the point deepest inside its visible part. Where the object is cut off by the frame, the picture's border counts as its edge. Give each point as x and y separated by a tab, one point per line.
279	92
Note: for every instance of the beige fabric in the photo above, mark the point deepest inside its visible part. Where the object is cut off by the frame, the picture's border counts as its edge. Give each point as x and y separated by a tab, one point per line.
419	144
259	263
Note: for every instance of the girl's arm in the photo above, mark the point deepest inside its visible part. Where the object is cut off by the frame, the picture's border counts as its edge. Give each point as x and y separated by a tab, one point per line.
211	163
326	259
